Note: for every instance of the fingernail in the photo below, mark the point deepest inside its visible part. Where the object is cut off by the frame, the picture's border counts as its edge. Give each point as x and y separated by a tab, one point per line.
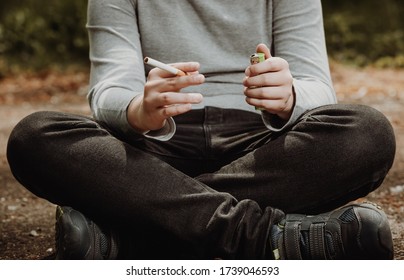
199	78
195	64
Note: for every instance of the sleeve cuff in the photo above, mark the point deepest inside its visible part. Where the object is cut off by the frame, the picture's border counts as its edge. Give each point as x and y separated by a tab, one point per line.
276	124
163	134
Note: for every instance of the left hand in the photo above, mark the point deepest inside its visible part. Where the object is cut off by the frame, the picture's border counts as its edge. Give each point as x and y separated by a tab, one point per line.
269	85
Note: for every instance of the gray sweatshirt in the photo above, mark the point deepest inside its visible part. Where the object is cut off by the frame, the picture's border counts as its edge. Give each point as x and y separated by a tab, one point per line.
220	35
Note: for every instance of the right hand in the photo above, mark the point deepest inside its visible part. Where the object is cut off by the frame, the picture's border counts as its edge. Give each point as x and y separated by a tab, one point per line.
162	97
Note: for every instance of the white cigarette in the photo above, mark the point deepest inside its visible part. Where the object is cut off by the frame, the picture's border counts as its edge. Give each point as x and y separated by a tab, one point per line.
163	66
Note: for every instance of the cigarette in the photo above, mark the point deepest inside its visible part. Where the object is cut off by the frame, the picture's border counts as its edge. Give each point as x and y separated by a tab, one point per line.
163	66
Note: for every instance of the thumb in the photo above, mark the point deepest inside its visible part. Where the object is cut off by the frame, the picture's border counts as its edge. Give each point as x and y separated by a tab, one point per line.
262	48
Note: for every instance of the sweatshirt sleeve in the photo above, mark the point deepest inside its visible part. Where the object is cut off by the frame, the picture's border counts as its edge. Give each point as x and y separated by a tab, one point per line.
298	34
117	70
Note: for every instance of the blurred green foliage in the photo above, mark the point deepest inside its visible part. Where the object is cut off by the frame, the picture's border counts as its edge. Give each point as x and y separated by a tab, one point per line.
38	33
42	33
365	32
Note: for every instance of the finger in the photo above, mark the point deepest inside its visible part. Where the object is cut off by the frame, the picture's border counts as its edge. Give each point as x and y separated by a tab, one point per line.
187	67
175	110
271	79
178	83
271	93
273	64
274	106
262	48
174	98
264	80
173	84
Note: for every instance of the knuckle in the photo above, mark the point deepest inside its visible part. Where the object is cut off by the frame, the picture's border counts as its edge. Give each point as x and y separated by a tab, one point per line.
147	100
248	83
166	112
290	78
165	97
148	87
284	63
282	106
267	79
253	71
152	73
261	92
171	82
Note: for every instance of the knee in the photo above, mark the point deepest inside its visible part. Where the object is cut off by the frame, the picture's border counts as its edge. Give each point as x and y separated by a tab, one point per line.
357	136
25	142
27	149
27	132
377	133
374	139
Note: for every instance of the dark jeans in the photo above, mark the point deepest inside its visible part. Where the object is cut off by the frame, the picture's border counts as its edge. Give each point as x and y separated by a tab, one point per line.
215	188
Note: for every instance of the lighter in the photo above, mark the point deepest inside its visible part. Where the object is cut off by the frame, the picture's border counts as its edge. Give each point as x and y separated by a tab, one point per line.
254	59
257	58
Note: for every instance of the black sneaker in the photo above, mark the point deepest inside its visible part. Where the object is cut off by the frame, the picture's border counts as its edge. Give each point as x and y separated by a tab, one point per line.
357	231
78	238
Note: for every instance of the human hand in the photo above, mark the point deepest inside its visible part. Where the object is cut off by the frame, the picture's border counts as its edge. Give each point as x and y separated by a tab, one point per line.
162	97
269	85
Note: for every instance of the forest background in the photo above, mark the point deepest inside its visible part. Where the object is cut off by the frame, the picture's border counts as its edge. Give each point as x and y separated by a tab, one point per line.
40	34
44	66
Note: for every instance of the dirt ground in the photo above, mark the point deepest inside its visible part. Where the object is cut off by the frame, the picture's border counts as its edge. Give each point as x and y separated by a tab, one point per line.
27	222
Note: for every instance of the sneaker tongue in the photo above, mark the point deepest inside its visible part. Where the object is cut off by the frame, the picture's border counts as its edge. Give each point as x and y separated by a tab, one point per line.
349	228
348	216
